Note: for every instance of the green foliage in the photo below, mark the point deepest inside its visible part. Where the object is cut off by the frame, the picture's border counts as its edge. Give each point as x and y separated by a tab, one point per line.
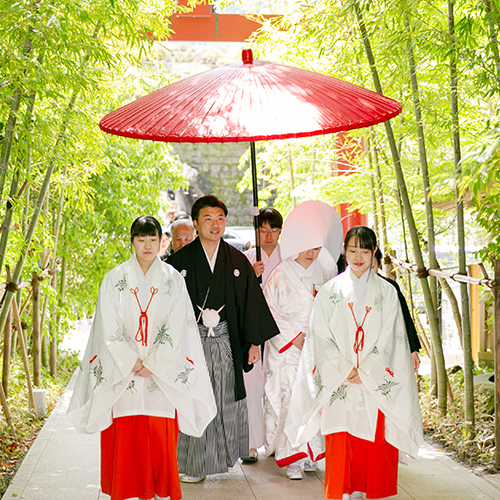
323	37
99	55
98	237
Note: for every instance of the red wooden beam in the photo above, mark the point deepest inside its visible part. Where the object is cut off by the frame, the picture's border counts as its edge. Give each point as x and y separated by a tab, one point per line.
203	25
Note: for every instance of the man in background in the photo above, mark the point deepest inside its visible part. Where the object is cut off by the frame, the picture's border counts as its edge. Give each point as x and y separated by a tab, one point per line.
182	232
270	224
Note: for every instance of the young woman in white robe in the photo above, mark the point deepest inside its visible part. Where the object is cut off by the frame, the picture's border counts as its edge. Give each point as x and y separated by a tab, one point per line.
143	375
356	380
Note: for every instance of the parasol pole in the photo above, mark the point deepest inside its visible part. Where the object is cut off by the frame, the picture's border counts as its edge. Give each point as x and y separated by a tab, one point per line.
255	203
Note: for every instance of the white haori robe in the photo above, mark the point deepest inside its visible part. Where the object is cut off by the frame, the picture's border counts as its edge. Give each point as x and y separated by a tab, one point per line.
255	378
324	399
289	294
270	261
148	317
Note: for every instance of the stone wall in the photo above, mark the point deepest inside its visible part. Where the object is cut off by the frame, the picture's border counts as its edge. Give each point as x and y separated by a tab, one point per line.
217	173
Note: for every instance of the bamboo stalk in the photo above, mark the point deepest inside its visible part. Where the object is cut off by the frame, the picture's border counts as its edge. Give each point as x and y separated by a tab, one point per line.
24	353
36	331
403	191
6	411
7	346
496	350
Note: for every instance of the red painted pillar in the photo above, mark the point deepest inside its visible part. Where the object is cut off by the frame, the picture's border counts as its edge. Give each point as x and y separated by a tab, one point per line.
347	149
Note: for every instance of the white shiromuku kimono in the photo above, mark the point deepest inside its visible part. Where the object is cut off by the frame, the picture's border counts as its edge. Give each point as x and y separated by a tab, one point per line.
148	317
322	397
290	295
255	378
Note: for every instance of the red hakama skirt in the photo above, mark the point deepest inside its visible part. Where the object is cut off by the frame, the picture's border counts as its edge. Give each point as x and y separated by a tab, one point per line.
139	458
354	464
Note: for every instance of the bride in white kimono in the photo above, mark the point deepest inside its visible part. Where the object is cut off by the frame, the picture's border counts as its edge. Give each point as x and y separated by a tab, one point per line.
144	374
312	230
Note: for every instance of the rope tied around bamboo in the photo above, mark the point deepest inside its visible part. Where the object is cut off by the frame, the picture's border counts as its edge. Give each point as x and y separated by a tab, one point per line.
11	287
423	273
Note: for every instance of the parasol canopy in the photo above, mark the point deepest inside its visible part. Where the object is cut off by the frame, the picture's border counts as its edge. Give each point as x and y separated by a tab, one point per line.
250	101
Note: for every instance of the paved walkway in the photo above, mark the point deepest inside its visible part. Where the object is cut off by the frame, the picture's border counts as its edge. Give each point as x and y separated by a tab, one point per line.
64	465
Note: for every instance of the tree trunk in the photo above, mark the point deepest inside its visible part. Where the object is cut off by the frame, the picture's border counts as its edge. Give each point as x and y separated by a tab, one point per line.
36	214
422	153
7	300
371	175
462	267
62	291
429	305
496	354
24	353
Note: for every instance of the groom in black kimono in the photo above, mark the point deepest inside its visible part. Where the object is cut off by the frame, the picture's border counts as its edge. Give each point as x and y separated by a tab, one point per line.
233	320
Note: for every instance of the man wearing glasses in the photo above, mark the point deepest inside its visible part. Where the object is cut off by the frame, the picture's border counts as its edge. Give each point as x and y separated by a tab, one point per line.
270	224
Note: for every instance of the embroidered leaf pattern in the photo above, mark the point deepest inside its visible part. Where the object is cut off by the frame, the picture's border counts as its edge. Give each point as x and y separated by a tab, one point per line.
387	387
131	387
120	335
168	286
361	402
317	382
375	350
377	303
331	345
153	386
183	376
340	393
122	284
97	372
336	298
401	337
163	337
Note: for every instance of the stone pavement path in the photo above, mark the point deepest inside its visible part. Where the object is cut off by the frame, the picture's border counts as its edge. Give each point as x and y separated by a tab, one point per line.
64	465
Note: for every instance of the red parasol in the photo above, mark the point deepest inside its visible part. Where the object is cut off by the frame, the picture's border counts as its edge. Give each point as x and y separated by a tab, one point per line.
250	101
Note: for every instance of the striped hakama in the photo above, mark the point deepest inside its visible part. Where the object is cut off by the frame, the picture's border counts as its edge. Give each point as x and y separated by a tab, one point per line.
226	437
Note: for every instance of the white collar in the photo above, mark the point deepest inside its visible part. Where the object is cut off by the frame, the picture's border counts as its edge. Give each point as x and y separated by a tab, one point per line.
213	260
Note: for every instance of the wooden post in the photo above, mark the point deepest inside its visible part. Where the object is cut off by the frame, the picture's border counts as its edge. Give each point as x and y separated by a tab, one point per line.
475	326
36	329
24	353
496	295
7	347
